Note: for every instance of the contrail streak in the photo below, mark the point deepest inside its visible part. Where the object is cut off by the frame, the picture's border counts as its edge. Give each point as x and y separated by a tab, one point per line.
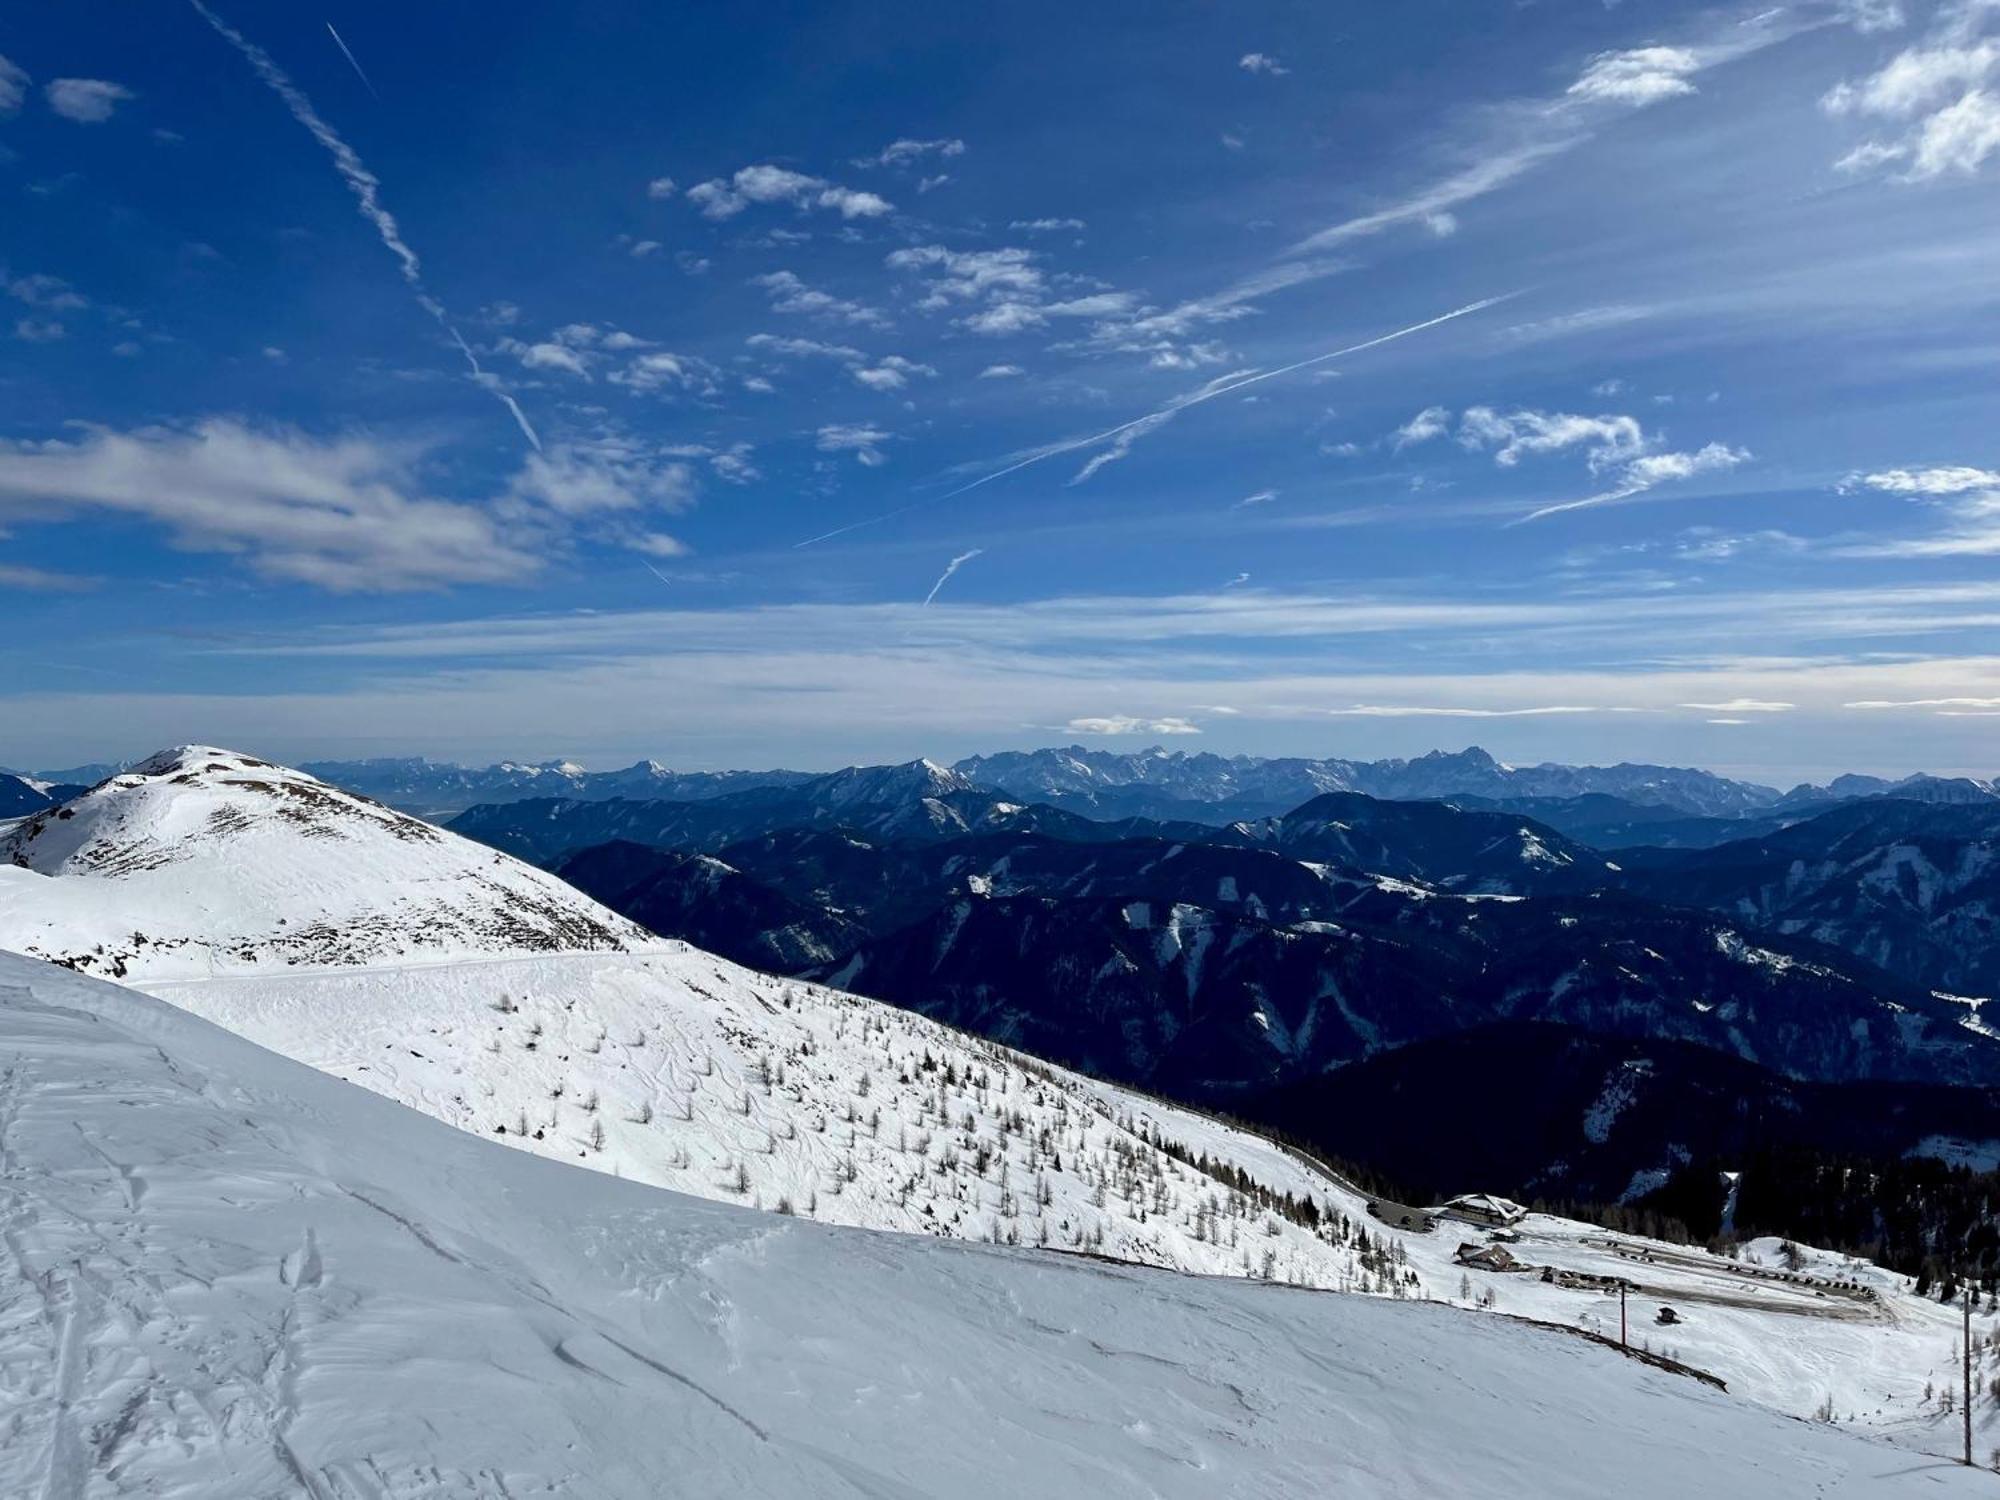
367	190
950	568
351	62
1161	415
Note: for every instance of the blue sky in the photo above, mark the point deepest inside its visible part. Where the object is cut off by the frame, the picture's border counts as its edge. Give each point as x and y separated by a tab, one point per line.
825	383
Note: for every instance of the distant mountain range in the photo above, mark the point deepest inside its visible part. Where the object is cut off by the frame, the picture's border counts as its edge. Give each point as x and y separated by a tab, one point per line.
1612	806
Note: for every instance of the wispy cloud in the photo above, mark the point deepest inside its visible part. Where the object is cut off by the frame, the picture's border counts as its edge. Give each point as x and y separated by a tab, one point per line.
950	568
1936	98
725	198
904	152
1524	134
87	101
1968	497
790	294
863	441
13	86
1117	724
1262	62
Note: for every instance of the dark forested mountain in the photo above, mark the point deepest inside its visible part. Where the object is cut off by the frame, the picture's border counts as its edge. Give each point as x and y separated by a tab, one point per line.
1913	887
1554	1112
1208	1004
913	803
707	902
1438	843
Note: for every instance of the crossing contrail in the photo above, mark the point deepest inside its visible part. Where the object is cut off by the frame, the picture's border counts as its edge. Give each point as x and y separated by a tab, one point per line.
1139	426
351	62
367	190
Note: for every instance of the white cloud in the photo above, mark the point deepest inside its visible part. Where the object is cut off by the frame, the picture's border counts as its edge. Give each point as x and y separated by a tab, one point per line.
1643	473
1442	225
1939	93
789	294
1743	706
1608	438
969	275
341	513
1431	422
657	544
13	86
1001	372
790	348
1968	496
1262	62
1914	82
1262	497
1948	479
1658	468
641	249
891	373
1126	724
597	477
1958	138
554	356
88	101
39	331
863	441
1641	76
660	370
1045	226
901	153
721	198
660	187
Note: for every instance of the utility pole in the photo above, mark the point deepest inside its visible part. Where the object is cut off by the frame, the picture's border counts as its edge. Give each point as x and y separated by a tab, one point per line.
1622	1344
1965	1350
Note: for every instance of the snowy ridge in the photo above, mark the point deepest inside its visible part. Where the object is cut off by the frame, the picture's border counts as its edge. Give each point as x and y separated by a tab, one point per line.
201	861
227	1276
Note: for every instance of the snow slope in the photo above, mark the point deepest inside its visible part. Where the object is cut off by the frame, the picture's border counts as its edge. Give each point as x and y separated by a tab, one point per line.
226	1275
200	861
659	1063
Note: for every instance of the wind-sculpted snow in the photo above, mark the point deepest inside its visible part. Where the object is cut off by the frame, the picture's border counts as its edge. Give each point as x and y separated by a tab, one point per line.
202	861
228	1276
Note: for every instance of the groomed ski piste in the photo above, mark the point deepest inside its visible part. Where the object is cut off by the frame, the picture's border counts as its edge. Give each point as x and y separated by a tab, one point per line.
229	1275
599	1047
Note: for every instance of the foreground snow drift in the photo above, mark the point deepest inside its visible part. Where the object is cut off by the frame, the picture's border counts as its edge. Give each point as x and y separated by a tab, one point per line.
229	1275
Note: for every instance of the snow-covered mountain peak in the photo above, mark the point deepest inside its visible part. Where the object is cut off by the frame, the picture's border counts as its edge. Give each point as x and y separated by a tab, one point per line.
224	862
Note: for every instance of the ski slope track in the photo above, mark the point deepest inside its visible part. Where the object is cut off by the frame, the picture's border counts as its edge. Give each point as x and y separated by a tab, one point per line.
227	1275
